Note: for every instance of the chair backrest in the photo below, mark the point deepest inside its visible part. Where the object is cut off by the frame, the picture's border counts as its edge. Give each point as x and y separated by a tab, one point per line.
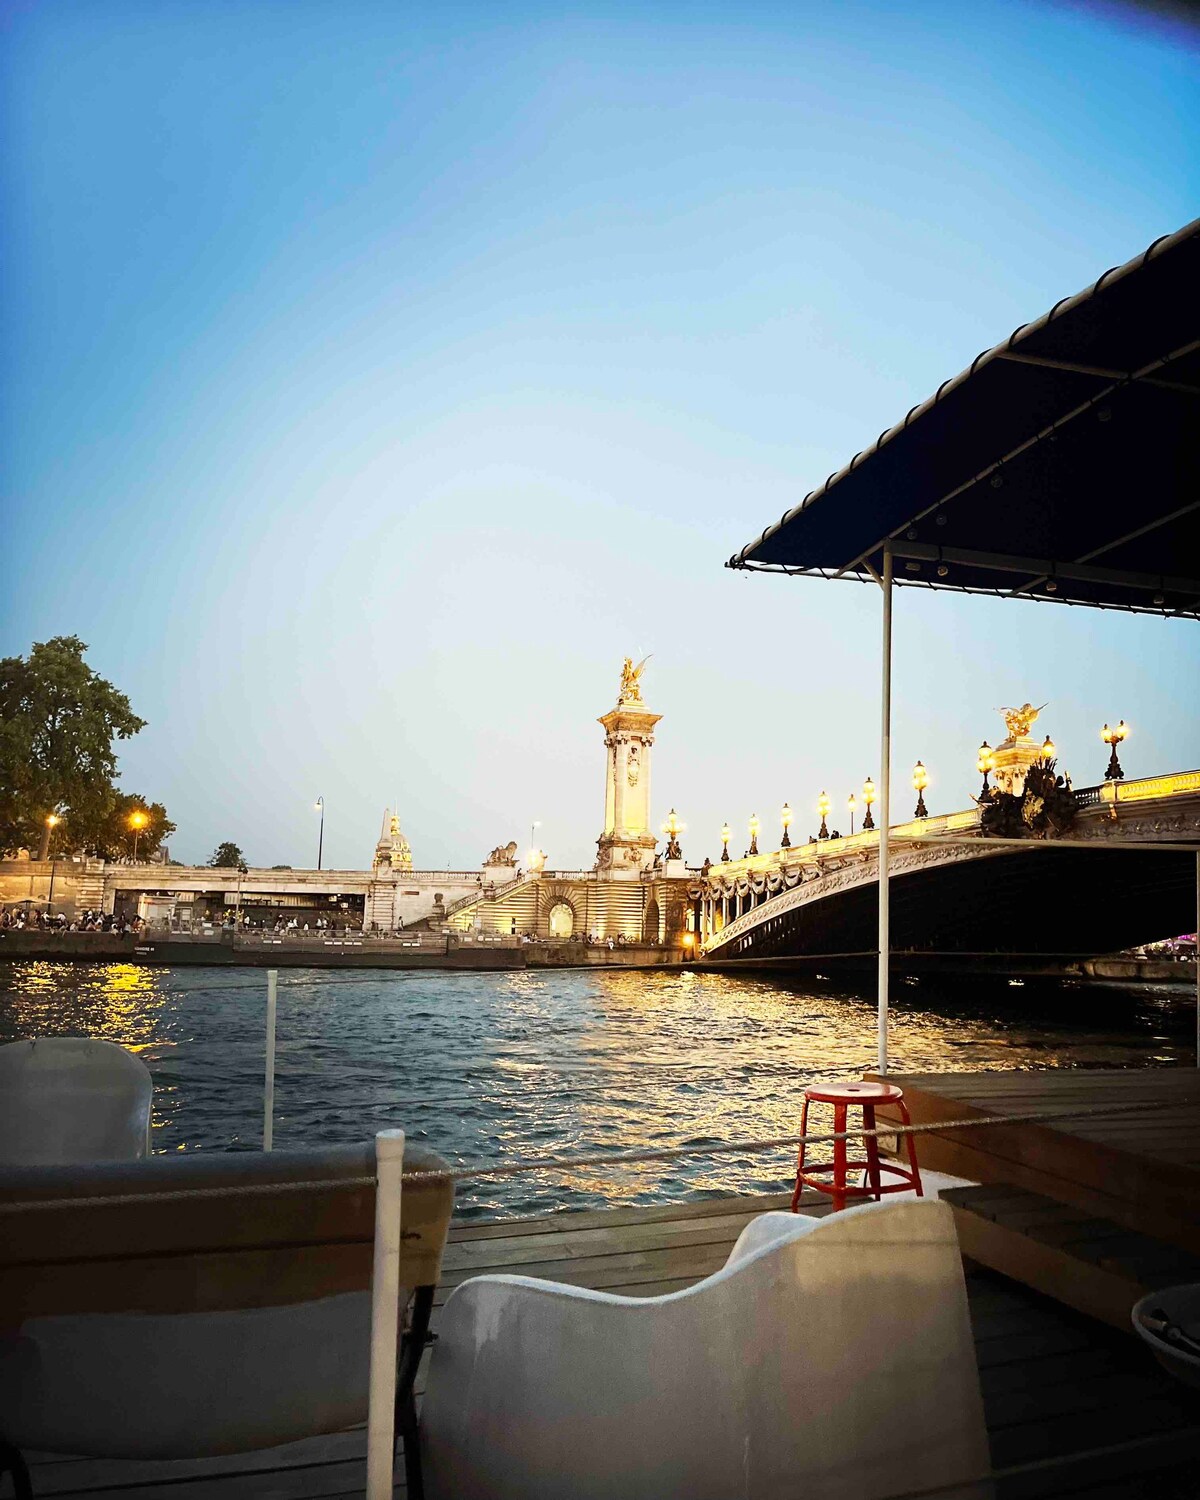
305	1230
71	1099
828	1357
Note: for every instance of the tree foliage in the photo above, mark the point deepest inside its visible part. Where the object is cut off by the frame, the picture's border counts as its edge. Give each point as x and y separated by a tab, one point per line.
59	722
1046	807
111	834
228	856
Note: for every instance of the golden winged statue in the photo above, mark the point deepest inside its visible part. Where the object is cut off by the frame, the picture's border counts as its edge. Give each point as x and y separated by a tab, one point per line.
1019	721
630	677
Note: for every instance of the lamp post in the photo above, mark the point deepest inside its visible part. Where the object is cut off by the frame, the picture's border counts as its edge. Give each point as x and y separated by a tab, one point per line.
786	817
726	835
985	762
50	824
920	780
319	805
852	805
868	798
755	825
673	828
1049	749
137	822
823	809
1112	738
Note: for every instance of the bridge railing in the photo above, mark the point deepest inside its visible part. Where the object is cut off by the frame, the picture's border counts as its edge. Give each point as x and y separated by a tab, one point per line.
1145	789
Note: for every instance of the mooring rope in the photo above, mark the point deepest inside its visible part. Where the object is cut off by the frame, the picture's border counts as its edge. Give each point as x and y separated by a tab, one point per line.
599	1159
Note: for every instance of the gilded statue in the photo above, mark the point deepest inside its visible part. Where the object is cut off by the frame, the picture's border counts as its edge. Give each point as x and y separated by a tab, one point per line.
1019	721
631	691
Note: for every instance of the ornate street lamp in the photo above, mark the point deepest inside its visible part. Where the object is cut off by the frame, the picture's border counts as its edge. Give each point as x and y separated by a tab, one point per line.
319	806
852	805
920	780
726	835
755	825
1049	749
673	828
986	763
868	798
137	822
823	809
51	822
1112	738
786	817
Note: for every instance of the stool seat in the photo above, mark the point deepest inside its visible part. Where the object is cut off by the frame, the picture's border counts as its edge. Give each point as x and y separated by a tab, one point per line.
855	1091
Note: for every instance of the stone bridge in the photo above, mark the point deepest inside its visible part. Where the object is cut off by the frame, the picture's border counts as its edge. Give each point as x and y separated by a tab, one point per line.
955	894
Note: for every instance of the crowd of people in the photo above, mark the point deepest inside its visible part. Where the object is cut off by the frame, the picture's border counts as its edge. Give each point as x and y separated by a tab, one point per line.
34	919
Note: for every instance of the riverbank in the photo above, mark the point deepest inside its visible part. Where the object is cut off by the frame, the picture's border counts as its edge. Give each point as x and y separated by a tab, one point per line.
414	951
425	950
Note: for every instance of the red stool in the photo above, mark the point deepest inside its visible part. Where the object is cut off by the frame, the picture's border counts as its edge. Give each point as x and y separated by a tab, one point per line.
866	1096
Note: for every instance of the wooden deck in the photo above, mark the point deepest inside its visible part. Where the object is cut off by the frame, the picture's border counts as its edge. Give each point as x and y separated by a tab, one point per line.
1054	1383
1140	1169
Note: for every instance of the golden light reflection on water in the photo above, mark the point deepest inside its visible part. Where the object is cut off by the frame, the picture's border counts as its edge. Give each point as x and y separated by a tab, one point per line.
500	1068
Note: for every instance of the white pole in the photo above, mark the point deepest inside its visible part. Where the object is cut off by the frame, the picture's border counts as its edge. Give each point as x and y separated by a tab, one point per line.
885	809
385	1315
269	1089
1198	958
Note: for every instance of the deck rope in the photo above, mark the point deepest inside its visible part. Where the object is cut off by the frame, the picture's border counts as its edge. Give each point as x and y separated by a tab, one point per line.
600	1159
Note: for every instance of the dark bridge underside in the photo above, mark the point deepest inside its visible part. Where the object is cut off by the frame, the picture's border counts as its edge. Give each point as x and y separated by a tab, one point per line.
1049	903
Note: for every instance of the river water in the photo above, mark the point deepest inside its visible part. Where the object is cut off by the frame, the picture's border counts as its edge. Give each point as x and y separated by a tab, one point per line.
493	1068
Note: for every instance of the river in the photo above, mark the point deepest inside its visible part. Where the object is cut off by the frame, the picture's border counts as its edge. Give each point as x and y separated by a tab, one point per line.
491	1068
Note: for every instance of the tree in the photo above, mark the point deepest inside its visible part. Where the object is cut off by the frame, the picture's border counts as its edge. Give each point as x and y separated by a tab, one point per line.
111	834
58	724
227	856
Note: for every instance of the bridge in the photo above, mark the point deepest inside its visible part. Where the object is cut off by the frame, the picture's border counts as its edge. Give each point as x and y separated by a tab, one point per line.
957	894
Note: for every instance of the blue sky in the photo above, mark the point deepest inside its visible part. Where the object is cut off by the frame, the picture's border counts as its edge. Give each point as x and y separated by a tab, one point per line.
376	377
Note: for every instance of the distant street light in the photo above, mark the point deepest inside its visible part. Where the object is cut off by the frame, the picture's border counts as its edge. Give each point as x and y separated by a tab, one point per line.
319	806
137	822
985	762
823	809
786	817
1112	738
673	828
755	825
726	835
920	780
51	822
852	805
868	798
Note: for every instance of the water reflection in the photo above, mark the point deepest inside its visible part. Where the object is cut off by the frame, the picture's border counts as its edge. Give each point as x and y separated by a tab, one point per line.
494	1068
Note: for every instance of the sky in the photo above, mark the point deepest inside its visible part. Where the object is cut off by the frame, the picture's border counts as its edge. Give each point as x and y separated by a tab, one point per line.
376	377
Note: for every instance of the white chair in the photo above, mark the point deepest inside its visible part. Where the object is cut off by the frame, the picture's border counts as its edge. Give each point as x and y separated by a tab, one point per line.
829	1357
66	1099
232	1317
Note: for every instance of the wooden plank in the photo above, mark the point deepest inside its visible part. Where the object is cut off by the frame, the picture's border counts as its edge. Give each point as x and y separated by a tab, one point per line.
511	1251
616	1218
1090	1289
1136	1191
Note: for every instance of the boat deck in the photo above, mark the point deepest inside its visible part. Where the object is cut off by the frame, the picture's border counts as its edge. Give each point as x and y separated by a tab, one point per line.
1056	1385
1137	1165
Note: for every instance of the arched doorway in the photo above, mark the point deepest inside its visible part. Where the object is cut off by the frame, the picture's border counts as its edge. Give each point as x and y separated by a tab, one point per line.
650	922
562	920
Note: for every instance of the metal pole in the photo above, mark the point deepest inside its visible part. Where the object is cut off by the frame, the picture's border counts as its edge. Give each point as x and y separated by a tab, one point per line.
385	1315
321	834
269	1089
885	790
1198	958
